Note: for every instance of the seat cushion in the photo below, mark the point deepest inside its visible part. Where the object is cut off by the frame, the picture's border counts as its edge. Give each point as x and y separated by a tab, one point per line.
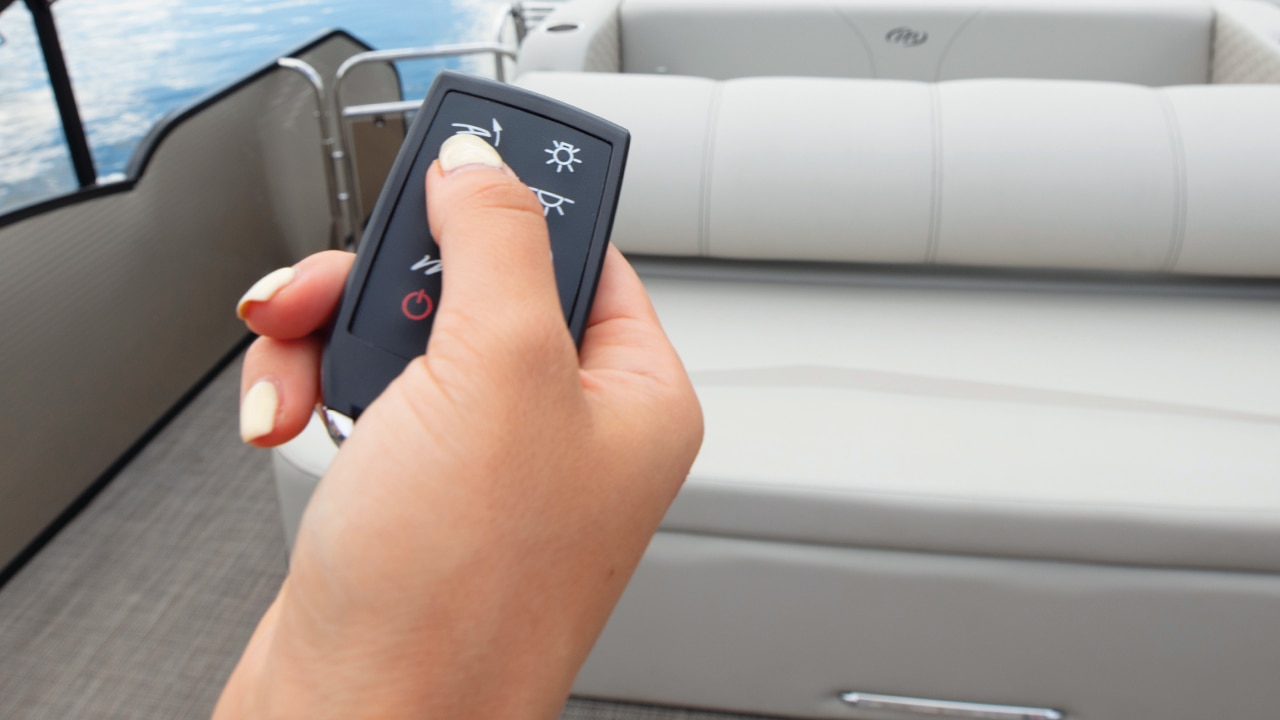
1009	173
1087	422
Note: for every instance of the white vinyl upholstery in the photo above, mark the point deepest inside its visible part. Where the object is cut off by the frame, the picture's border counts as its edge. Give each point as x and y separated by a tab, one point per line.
781	628
1078	421
1150	42
1246	46
582	35
1230	151
1010	173
1040	493
1056	174
1047	421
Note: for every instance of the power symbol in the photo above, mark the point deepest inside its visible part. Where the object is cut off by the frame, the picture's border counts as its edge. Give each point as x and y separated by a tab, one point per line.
417	305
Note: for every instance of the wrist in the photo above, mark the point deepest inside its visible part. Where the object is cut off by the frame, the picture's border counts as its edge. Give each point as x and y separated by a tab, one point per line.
378	668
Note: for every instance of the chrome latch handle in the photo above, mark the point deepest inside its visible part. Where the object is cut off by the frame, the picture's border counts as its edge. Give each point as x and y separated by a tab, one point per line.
922	707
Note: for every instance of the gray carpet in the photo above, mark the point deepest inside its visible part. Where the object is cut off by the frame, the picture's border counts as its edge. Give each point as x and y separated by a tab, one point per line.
140	607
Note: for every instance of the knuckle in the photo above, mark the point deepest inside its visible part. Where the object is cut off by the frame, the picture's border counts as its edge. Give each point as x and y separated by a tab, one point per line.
514	345
504	194
682	419
534	340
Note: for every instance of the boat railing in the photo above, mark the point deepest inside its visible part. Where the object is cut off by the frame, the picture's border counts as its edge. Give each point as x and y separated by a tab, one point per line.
336	118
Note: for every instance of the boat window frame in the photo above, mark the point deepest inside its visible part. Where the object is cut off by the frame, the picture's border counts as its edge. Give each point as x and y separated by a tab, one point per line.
149	143
64	96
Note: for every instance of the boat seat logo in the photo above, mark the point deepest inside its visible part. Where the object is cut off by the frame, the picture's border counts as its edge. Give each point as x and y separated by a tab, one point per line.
906	37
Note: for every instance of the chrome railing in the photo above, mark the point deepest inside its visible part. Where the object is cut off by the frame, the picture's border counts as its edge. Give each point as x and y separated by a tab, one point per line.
328	138
349	209
335	118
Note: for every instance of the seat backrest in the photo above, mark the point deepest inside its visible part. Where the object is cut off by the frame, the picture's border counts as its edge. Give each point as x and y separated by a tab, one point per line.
1016	173
1148	42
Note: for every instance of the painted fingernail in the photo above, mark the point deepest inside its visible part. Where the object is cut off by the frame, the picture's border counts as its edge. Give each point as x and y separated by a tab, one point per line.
258	410
265	289
463	150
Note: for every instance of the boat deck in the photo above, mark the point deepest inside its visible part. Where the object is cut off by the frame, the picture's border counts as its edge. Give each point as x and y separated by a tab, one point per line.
140	607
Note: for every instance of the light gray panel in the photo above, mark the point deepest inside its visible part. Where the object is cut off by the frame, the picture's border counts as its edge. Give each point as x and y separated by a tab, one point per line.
776	628
740	39
1037	420
1142	42
919	40
907	40
823	169
581	35
1056	174
1232	157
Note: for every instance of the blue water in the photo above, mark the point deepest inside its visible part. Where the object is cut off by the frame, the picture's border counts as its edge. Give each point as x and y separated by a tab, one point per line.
133	61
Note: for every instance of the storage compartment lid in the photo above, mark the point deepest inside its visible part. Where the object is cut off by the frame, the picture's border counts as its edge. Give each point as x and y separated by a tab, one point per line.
1057	420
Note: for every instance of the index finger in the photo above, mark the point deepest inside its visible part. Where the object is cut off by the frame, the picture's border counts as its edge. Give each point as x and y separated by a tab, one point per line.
304	303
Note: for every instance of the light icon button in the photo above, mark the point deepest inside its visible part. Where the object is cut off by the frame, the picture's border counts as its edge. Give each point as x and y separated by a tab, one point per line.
563	154
551	201
468	129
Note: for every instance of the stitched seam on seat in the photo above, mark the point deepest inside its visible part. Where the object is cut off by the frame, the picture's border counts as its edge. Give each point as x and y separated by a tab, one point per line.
935	208
942	57
1178	151
866	46
704	211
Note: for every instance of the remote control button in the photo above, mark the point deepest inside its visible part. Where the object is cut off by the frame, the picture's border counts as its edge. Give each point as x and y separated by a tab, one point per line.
417	305
572	162
469	129
551	201
563	154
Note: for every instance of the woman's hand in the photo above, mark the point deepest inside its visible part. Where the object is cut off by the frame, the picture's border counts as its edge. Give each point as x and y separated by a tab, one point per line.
468	543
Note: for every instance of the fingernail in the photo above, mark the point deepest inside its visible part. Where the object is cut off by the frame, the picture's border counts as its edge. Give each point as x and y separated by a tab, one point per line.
258	410
463	150
265	289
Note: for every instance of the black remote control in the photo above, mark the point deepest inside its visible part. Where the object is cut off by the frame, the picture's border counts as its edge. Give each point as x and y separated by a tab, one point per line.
572	160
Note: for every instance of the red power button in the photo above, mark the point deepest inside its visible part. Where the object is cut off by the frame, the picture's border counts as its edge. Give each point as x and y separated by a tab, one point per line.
417	305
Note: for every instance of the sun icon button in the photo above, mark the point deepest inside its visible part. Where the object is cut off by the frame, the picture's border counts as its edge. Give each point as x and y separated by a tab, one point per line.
563	154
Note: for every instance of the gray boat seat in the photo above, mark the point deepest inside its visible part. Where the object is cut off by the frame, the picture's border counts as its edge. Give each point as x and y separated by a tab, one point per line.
1048	174
1148	42
990	383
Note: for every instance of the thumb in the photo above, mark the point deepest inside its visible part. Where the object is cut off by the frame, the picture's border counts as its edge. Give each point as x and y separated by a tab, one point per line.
493	241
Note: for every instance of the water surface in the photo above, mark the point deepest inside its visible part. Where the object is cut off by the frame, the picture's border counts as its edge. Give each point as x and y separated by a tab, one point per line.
133	61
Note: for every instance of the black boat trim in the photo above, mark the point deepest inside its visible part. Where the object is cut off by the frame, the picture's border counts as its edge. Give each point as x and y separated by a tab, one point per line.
60	82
